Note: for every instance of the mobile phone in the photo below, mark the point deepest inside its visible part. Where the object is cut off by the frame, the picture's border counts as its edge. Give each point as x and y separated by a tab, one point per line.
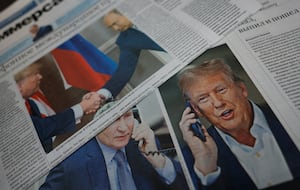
196	127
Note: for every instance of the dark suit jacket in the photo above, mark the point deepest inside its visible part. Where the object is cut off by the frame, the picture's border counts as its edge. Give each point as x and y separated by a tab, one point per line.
51	126
86	169
233	176
43	31
130	42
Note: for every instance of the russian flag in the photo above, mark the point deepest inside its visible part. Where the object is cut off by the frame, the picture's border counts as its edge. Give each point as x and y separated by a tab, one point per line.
83	65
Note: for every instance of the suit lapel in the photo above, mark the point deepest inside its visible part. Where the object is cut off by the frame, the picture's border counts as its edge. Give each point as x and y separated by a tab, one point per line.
288	148
132	158
96	167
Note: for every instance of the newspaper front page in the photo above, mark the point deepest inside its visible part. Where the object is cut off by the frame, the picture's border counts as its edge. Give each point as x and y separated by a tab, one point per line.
174	25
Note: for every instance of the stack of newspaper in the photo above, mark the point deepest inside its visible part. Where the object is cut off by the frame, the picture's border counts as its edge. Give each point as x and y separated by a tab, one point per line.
259	39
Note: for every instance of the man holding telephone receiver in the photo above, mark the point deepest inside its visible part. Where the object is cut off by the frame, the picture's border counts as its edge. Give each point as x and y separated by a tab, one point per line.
118	158
246	147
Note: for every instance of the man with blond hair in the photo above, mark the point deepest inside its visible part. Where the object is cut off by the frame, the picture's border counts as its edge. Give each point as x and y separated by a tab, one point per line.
28	81
246	147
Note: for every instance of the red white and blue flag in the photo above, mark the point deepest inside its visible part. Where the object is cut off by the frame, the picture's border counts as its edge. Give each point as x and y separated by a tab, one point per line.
83	65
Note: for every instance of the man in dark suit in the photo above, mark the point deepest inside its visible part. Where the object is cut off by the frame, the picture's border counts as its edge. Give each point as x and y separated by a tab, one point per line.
130	41
246	148
28	81
94	166
39	32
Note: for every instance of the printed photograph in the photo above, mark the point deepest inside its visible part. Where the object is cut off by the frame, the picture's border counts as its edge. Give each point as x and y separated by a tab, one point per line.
64	88
229	136
136	151
23	23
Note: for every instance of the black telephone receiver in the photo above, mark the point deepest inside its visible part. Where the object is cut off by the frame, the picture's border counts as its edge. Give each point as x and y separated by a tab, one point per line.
196	127
137	121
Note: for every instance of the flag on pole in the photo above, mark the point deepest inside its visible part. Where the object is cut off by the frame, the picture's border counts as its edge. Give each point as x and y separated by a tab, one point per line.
83	65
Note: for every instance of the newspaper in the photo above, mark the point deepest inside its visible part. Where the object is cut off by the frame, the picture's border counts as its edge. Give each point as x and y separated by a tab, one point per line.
15	34
175	25
269	53
179	26
263	52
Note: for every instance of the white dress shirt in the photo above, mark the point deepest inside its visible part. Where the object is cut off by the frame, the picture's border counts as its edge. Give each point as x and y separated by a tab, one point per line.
264	163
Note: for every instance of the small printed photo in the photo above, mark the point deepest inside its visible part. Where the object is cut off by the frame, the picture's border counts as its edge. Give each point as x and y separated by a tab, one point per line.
13	9
24	23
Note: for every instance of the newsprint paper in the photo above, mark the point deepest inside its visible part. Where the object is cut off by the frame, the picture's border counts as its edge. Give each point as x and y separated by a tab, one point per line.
268	48
182	30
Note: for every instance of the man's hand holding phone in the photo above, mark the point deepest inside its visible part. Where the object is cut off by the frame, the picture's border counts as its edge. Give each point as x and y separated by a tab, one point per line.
197	126
147	144
204	152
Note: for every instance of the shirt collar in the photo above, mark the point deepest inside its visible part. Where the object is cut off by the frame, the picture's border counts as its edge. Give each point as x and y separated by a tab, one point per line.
134	26
260	123
109	152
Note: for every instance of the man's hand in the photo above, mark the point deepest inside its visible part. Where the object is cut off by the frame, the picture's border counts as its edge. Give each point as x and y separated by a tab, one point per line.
205	153
147	144
102	99
90	102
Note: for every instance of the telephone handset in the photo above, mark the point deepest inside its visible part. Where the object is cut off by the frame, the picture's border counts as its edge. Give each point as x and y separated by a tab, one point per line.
137	122
196	127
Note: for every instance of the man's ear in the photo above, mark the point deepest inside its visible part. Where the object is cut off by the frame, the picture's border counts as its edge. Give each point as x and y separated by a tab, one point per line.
20	87
244	89
197	110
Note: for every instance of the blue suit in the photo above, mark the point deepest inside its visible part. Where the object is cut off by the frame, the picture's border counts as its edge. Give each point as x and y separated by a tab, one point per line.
51	126
86	169
130	42
233	176
43	31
